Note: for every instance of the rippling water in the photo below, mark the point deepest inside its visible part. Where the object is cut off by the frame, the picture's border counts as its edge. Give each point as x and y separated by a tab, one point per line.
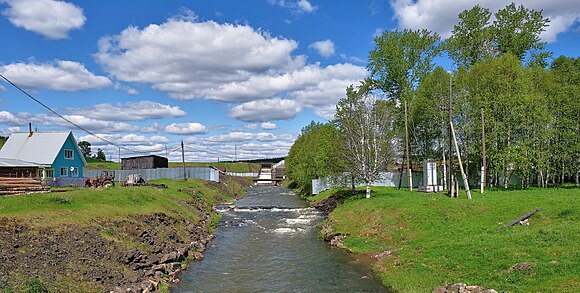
267	242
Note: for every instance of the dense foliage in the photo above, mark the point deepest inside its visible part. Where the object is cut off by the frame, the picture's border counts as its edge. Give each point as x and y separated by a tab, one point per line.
316	153
531	107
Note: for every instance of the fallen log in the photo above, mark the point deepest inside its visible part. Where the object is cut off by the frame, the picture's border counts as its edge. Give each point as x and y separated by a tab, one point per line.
521	218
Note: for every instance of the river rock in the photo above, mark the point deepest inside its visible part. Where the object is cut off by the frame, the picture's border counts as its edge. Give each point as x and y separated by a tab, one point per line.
170	257
457	288
523	266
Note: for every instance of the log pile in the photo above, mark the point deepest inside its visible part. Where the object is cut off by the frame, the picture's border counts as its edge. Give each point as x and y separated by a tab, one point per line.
13	186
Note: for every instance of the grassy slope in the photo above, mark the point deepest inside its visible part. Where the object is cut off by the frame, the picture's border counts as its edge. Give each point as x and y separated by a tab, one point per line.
439	240
85	205
231	167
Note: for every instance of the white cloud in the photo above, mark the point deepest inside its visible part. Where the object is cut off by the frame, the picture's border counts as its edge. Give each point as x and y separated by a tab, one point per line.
269	125
169	57
10	130
125	139
130	111
306	6
324	48
299	6
52	19
310	78
186	128
240	136
23	118
128	89
185	59
252	126
60	75
2	89
266	110
441	15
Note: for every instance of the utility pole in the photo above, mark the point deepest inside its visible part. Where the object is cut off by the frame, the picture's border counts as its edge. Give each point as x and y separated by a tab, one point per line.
183	161
450	177
409	174
119	154
465	181
484	167
166	153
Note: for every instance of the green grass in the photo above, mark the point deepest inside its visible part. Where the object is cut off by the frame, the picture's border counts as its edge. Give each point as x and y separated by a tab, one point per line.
438	240
231	167
82	205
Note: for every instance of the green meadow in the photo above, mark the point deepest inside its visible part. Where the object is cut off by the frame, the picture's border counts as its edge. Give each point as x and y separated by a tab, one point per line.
437	240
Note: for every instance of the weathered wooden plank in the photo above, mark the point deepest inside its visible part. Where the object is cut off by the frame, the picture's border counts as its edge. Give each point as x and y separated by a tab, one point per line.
521	218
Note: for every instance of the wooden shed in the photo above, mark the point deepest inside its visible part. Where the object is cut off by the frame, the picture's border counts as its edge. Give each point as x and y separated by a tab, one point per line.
144	162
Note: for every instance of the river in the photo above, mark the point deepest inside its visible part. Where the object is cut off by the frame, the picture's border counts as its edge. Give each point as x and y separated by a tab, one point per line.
268	242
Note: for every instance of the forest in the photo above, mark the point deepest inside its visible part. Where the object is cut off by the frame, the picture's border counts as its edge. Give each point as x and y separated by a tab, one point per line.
506	95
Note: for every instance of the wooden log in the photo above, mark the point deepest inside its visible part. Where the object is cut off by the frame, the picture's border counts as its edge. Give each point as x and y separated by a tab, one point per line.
521	218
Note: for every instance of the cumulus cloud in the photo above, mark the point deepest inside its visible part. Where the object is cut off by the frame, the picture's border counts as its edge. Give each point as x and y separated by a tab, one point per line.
240	136
23	118
311	80
186	59
266	110
252	126
52	19
441	15
60	75
324	48
269	125
169	58
300	6
130	111
125	139
186	128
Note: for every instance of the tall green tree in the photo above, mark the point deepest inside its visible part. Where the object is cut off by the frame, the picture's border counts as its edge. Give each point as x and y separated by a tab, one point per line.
565	110
517	30
366	125
85	147
401	59
100	155
472	38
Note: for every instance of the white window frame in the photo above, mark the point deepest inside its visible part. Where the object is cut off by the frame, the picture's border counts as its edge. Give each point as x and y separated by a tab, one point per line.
72	154
74	172
65	174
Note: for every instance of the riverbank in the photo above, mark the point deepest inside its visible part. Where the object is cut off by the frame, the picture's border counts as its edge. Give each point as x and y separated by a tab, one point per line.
101	240
424	241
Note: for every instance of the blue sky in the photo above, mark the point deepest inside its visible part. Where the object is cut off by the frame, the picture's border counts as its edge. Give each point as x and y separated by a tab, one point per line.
228	77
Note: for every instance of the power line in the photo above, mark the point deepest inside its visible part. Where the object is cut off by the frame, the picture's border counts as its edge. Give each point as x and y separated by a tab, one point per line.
74	124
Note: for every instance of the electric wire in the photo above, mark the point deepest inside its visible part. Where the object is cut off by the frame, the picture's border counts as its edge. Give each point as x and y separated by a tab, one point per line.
75	124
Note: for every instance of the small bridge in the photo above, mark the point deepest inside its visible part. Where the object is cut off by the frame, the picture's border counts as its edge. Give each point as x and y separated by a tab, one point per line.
270	174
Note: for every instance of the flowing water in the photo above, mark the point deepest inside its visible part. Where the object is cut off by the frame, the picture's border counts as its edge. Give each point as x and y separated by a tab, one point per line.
267	242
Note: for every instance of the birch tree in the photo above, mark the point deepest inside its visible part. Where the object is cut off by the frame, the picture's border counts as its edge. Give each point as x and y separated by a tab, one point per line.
366	126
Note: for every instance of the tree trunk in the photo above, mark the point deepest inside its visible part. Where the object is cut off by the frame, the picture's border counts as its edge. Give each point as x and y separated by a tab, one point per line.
368	190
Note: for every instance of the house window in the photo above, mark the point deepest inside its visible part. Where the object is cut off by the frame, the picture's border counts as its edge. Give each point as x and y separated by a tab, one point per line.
63	172
49	173
68	154
74	172
40	173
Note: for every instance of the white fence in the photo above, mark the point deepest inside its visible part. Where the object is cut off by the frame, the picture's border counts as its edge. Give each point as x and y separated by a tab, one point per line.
386	179
238	174
204	173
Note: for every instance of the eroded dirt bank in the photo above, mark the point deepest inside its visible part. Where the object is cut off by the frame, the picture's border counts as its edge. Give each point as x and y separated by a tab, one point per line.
138	253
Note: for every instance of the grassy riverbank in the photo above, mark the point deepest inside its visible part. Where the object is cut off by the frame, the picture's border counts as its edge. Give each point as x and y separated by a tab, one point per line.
436	240
93	240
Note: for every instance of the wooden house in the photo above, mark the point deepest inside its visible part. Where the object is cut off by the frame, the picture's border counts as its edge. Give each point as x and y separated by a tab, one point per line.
44	155
144	162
